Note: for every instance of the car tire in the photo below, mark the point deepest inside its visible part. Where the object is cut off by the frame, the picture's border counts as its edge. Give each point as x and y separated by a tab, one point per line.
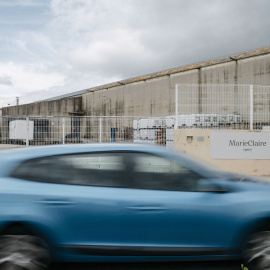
23	252
257	251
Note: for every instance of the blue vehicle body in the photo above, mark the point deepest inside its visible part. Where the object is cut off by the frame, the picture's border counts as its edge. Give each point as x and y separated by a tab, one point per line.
99	223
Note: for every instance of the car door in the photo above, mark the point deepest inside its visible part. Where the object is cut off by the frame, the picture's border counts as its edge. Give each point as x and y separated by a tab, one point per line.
76	196
166	210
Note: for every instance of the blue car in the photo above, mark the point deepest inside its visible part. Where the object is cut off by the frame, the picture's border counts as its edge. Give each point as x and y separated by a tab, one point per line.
126	202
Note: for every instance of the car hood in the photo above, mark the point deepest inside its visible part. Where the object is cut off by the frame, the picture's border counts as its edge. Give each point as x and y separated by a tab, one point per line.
247	178
245	182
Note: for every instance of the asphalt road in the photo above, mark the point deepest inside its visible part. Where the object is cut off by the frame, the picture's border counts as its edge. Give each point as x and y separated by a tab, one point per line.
217	265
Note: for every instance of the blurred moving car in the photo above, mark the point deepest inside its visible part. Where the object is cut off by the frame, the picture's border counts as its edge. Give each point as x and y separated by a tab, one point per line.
126	202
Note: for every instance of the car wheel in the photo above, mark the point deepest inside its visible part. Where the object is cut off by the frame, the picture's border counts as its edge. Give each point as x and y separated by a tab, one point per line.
257	251
26	252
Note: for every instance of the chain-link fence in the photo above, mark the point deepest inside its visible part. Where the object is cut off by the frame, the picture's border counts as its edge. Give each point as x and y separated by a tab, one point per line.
18	131
218	106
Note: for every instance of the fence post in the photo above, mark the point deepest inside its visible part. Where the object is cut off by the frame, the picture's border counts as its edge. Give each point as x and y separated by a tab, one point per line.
63	131
251	107
100	129
27	132
176	107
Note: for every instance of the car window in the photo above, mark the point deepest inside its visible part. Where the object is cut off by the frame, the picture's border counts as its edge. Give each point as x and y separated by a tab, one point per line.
97	169
48	169
159	173
95	161
121	169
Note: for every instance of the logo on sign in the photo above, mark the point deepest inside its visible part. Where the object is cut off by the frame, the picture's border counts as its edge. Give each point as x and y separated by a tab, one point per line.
240	145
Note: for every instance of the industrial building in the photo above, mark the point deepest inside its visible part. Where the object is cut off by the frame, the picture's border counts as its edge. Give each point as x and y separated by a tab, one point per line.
154	94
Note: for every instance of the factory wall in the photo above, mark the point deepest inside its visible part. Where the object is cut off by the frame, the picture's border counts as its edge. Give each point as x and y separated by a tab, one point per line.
156	96
60	107
255	70
146	98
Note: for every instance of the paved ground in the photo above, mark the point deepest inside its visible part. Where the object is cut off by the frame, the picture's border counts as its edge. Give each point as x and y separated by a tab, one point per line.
218	265
10	146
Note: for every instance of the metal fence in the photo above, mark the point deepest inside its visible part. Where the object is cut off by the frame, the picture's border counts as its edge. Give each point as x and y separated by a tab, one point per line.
244	107
219	106
18	131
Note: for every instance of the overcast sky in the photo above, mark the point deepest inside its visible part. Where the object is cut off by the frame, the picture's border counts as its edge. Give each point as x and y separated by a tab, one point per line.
54	47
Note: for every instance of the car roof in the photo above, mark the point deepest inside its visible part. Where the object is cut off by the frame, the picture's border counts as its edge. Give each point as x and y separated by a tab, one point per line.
40	151
9	159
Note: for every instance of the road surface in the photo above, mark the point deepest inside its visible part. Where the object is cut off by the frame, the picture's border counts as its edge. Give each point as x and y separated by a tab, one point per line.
217	265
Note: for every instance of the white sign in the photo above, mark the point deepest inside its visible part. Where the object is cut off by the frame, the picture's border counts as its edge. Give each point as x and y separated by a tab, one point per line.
18	130
240	145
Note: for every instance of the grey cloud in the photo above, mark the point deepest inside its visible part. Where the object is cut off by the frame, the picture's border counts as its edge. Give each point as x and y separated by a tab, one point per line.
6	80
175	33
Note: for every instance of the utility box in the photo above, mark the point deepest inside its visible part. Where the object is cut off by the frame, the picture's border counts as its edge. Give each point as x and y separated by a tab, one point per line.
18	130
